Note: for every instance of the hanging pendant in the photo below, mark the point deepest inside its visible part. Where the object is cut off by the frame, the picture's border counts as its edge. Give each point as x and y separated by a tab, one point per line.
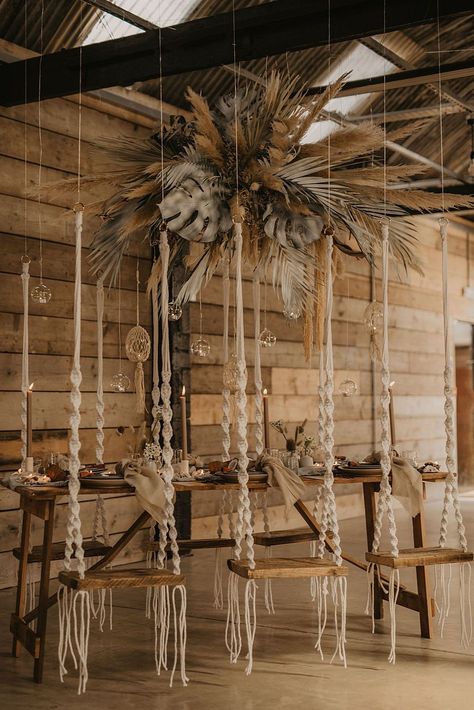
120	382
138	348
41	293
266	338
292	311
200	348
174	311
348	388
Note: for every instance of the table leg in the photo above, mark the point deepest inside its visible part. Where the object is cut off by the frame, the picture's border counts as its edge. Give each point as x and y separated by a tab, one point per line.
22	576
370	508
44	591
422	579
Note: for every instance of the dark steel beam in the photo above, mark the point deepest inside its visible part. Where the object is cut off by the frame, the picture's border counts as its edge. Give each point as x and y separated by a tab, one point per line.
260	31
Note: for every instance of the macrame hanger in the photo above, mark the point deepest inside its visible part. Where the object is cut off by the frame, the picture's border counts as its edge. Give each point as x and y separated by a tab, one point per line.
259	439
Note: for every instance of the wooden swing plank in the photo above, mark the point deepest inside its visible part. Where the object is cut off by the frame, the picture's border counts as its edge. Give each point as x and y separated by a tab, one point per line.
419	557
285	537
287	568
198	544
92	548
121	578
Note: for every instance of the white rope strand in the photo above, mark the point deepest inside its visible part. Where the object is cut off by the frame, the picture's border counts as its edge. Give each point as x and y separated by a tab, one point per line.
259	438
99	449
25	382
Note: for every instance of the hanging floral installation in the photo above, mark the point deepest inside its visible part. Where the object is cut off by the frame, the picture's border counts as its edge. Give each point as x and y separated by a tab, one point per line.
183	178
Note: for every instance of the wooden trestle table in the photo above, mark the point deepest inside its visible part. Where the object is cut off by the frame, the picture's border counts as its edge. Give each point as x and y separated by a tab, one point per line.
40	502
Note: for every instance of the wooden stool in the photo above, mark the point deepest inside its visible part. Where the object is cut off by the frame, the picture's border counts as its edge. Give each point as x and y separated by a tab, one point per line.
288	568
92	548
419	557
120	578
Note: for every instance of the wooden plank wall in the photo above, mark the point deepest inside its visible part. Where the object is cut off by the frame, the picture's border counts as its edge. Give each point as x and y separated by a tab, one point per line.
51	326
416	357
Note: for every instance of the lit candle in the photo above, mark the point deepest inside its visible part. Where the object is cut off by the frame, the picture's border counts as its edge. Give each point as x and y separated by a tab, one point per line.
184	424
391	414
266	421
29	428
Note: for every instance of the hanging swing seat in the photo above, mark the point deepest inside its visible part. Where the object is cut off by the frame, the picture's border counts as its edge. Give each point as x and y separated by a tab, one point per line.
197	544
285	537
287	568
420	557
92	548
120	578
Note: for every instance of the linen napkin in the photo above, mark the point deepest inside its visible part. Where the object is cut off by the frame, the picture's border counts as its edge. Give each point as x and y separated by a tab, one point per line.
149	487
407	485
290	484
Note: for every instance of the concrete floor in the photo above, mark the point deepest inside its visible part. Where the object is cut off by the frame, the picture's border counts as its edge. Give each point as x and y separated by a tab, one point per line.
429	675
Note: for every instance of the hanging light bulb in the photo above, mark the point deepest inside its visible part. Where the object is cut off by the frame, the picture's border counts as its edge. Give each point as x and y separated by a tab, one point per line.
174	311
348	388
292	311
41	293
230	375
120	382
470	170
266	338
373	316
200	347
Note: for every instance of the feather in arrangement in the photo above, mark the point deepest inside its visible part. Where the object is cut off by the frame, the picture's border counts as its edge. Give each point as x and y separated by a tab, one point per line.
186	177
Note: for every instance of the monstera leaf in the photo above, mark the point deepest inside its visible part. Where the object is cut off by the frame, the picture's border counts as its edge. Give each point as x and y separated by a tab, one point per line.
289	228
196	211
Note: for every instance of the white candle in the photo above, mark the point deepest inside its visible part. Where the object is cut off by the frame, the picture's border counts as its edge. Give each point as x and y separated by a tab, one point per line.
266	421
29	420
184	424
391	414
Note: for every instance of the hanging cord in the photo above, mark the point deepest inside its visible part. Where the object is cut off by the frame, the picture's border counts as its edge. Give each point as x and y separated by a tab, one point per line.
225	423
40	141
259	439
25	279
99	449
155	393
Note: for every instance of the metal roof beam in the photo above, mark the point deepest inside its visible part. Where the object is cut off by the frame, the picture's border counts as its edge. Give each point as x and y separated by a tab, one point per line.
260	30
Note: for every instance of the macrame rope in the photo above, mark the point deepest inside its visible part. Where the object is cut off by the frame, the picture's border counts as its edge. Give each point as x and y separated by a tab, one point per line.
155	393
99	448
167	429
25	383
259	439
225	423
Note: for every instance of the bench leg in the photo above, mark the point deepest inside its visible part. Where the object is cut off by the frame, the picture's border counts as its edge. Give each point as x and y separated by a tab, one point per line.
20	606
370	514
44	592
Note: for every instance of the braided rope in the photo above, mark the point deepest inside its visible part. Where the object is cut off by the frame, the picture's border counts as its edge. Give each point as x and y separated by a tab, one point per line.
74	533
167	429
25	279
451	485
225	423
329	515
321	414
259	438
99	406
385	498
245	516
155	392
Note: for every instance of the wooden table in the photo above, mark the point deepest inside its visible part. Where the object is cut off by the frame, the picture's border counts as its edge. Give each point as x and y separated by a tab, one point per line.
40	502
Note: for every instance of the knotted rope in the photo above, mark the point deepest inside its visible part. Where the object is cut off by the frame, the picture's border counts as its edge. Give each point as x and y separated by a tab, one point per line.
385	503
259	439
25	382
155	393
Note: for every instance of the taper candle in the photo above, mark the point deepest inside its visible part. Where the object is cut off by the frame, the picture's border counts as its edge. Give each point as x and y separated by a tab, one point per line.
29	420
184	424
392	414
266	421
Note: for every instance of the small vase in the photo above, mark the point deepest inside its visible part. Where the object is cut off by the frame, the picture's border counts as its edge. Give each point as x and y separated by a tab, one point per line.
306	461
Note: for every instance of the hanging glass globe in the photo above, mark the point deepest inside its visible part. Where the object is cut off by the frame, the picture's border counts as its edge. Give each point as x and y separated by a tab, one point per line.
348	388
41	293
120	382
373	316
200	348
266	338
230	375
292	312
174	311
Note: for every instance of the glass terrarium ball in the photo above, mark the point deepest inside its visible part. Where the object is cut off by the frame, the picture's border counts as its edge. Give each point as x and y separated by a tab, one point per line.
348	388
120	382
266	338
292	312
174	311
200	348
41	293
373	316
